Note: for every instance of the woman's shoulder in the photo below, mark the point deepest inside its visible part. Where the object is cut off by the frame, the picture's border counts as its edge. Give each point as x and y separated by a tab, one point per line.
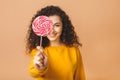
73	47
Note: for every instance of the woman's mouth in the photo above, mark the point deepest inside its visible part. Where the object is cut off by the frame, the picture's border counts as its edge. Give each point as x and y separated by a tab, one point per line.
52	35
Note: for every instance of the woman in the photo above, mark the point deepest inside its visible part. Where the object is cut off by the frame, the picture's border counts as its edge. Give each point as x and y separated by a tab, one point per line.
60	58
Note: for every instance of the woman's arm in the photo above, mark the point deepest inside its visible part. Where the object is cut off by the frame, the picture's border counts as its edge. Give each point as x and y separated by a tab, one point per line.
34	72
79	72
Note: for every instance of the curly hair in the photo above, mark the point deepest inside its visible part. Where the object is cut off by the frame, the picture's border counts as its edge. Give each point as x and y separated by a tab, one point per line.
68	36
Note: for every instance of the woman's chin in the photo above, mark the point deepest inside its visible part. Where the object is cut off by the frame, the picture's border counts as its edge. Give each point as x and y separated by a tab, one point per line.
52	39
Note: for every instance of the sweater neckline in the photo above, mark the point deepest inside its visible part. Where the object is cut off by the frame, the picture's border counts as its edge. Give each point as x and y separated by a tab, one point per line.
56	46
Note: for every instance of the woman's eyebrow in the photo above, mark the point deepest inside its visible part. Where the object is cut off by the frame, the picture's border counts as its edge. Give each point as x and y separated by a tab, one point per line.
57	23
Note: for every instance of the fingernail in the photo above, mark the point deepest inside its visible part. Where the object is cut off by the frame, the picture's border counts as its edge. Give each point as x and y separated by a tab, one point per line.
38	47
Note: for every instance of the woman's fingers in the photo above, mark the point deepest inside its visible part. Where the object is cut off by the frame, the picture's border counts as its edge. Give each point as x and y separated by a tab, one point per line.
40	59
38	62
40	48
41	51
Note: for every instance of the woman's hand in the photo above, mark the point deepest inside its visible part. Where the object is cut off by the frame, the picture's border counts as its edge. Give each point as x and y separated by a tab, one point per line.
40	59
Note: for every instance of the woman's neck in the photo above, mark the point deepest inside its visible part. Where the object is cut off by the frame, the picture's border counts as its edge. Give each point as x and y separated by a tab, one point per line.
54	43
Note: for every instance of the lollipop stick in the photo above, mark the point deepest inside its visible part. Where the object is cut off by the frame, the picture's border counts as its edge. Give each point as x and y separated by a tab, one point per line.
40	41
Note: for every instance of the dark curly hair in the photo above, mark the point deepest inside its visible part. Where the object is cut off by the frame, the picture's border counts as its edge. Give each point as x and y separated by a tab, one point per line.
68	36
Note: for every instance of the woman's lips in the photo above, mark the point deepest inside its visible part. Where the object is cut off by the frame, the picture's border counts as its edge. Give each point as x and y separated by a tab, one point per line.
52	35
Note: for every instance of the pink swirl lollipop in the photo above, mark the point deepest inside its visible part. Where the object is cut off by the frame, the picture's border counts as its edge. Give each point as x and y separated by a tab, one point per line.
42	25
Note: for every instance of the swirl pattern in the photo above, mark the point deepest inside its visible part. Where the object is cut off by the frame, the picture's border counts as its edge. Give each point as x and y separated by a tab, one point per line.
42	25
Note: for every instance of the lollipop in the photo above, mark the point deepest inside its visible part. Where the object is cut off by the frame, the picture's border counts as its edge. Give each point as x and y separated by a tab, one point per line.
42	26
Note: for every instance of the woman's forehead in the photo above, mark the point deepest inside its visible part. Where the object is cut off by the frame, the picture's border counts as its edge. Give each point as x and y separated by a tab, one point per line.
55	19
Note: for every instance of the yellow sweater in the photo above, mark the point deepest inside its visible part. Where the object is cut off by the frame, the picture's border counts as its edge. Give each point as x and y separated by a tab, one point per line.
64	63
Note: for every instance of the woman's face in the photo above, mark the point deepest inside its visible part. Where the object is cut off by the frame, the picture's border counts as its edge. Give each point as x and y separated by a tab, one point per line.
55	34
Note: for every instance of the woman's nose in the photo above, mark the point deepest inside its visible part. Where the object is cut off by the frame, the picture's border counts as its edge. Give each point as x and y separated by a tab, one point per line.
53	30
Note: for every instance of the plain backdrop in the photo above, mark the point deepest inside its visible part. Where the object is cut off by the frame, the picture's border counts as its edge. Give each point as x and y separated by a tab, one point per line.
97	23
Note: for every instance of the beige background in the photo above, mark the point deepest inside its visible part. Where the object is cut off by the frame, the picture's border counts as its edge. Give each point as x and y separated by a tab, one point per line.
97	23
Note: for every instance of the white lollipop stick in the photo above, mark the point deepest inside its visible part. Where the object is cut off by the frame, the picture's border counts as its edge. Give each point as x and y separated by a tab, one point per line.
41	41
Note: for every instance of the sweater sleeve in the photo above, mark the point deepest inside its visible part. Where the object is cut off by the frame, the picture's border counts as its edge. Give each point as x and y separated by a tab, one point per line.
79	72
32	70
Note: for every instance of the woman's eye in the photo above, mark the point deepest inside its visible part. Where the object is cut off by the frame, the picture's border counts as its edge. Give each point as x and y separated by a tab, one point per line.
57	25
